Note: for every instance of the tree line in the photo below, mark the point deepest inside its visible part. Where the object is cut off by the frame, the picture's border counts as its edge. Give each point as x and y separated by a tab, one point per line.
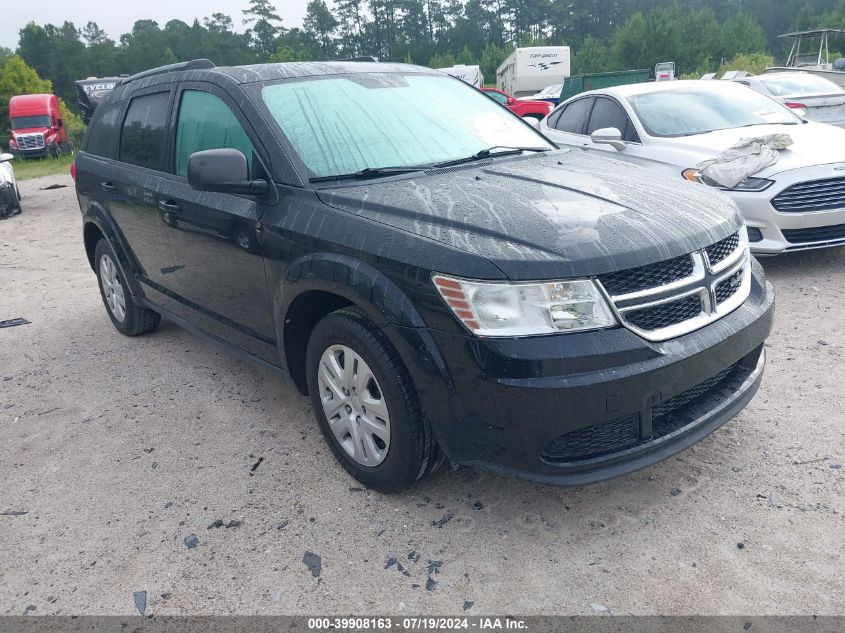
699	35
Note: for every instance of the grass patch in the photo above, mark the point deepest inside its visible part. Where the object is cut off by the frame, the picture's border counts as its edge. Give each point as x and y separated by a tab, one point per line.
36	167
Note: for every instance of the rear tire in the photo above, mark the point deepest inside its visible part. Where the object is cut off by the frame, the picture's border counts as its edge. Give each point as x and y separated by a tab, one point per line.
127	315
388	446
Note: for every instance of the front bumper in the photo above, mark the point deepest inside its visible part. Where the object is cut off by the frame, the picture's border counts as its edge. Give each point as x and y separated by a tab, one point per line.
788	232
562	409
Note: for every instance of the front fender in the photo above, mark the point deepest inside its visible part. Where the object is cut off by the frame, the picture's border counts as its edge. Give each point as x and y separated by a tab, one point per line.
372	292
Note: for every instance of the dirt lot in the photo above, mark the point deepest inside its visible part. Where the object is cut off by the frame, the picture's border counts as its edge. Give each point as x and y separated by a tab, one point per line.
113	451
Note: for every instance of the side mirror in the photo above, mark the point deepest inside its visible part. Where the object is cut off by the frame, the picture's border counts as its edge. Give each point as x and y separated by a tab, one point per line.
609	136
5	158
532	121
223	171
511	101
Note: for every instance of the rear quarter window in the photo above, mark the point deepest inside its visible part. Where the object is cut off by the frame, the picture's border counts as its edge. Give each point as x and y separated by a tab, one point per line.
103	133
145	130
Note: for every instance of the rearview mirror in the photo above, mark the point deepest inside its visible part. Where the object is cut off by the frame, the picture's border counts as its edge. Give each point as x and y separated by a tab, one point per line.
5	158
609	136
223	171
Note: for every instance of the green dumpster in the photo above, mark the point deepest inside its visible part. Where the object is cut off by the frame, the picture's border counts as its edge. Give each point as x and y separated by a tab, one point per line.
582	83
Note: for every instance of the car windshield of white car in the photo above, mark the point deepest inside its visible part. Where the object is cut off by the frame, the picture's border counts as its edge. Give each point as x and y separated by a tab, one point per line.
690	111
797	84
359	123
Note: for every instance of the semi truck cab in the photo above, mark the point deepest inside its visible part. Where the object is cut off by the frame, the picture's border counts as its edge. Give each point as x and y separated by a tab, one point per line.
37	129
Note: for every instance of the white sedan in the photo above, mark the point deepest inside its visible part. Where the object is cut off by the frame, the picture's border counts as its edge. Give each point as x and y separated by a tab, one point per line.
819	99
670	127
10	196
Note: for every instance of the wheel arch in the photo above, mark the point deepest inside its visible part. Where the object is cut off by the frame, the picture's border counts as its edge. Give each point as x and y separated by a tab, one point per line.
319	284
97	225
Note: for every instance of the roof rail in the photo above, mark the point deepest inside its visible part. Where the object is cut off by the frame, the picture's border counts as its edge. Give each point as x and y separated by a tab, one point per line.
194	64
362	58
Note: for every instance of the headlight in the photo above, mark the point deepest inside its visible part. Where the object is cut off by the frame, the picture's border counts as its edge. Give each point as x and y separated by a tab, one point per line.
525	309
749	184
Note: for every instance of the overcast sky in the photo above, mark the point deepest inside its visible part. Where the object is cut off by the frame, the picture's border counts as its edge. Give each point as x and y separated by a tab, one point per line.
116	16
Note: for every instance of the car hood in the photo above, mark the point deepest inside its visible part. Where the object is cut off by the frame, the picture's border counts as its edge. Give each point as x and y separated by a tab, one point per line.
813	144
568	213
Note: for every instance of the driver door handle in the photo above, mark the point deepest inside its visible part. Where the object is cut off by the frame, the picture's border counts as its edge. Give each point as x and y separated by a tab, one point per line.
107	186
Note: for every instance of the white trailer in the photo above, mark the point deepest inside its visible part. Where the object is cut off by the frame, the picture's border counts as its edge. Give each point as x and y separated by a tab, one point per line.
529	70
468	74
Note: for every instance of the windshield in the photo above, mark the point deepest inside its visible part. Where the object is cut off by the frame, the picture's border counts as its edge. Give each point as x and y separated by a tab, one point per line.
23	122
701	109
799	85
341	124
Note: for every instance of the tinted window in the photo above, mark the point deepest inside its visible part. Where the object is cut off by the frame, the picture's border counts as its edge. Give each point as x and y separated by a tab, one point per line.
206	122
574	117
497	96
102	134
144	131
608	113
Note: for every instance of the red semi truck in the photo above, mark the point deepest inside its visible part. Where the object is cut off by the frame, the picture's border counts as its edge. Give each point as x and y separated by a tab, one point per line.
37	127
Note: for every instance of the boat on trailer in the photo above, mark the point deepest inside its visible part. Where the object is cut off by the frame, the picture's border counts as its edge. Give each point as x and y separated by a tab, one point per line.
810	53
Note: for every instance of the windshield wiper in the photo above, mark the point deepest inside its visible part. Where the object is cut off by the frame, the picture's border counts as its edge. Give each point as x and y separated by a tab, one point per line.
489	152
371	172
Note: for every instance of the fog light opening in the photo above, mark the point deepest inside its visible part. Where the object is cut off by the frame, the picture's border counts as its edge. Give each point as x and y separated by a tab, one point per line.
754	234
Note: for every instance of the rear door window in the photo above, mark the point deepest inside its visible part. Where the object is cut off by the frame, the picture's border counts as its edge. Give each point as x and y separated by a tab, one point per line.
574	117
206	122
144	131
102	135
607	113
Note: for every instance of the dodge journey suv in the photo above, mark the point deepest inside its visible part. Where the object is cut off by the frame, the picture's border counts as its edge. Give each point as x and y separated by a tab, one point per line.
440	279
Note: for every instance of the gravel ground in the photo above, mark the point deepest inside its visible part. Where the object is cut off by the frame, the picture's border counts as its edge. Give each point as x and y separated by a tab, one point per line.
115	451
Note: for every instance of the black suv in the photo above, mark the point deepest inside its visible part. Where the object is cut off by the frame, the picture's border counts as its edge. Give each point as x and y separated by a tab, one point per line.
439	277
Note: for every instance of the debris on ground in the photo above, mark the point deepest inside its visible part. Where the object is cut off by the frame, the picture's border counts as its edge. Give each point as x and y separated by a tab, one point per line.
140	598
313	562
29	607
191	541
740	545
434	566
166	595
599	608
14	513
217	523
233	524
413	556
468	604
14	322
51	187
441	522
390	562
430	584
256	465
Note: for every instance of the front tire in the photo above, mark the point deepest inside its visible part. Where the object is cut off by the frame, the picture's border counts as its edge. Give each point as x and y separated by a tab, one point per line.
127	315
366	404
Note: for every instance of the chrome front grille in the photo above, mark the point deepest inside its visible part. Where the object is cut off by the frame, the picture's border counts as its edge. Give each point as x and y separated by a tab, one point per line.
816	195
686	296
30	141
